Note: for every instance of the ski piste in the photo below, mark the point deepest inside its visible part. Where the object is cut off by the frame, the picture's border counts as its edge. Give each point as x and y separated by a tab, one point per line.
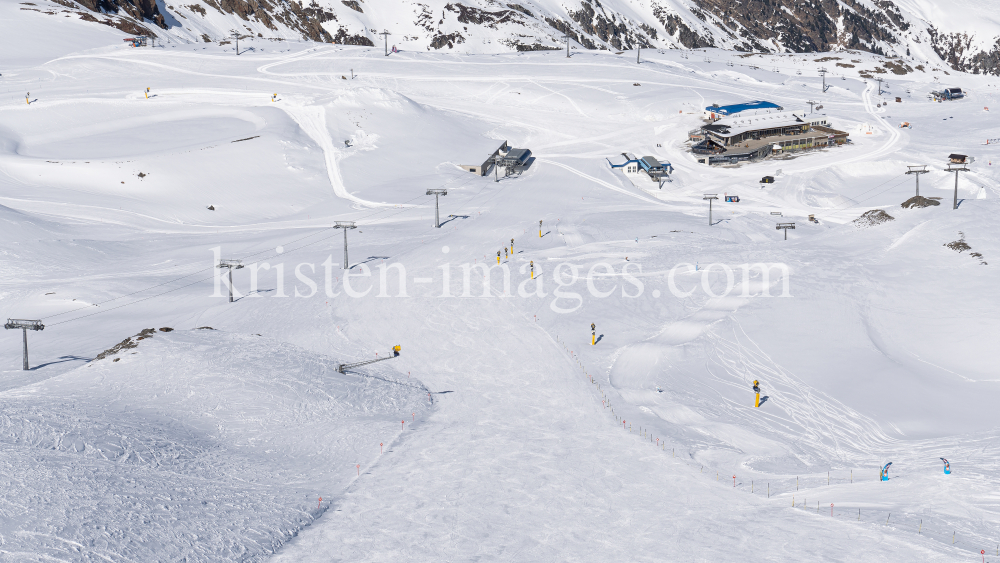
496	434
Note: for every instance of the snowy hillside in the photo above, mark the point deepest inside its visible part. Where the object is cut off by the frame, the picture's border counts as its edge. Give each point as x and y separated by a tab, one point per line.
507	428
964	35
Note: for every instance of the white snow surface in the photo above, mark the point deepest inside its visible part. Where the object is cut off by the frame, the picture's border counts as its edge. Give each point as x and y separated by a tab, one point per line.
500	433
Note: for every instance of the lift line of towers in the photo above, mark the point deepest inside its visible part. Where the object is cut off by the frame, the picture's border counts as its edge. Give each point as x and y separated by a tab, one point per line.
233	264
36	324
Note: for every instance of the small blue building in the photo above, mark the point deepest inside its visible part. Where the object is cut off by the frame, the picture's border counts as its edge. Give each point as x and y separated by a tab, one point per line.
715	111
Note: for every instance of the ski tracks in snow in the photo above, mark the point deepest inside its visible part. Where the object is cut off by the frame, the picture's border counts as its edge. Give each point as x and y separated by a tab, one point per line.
823	423
312	120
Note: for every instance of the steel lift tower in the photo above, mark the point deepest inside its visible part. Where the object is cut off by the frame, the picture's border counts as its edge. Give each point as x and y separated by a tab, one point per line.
437	193
25	325
345	225
917	170
230	265
956	170
710	197
785	227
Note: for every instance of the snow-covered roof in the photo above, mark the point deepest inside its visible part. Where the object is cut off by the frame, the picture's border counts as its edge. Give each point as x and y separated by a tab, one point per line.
735	125
476	153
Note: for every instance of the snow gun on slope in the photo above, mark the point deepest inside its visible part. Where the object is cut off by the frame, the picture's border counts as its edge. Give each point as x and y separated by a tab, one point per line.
885	472
344	367
947	466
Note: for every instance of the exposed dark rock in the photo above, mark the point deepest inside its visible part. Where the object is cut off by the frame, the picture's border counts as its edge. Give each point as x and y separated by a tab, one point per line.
959	246
138	9
521	9
679	30
919	201
126	344
127	25
873	217
956	50
449	40
344	38
805	27
475	16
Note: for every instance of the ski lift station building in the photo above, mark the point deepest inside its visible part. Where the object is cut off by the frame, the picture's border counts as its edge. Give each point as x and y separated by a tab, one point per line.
715	111
485	156
480	157
753	136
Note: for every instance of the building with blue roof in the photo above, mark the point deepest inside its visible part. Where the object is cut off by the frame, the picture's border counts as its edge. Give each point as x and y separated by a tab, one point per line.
715	111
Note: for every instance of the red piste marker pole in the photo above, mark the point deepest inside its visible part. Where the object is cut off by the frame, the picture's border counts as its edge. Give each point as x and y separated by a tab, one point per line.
320	503
983	553
359	470
401	423
414	416
831	509
380	447
734	481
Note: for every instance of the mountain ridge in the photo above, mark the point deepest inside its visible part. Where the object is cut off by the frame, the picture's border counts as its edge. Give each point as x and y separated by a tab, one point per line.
964	37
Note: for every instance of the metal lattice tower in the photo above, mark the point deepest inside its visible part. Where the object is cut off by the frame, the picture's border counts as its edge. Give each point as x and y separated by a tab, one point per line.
811	104
822	72
567	44
345	225
230	265
785	227
710	197
917	170
437	193
956	170
25	325
236	34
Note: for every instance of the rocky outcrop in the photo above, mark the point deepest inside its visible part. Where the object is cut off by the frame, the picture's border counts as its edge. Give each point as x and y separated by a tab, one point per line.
807	27
771	26
344	37
140	10
957	50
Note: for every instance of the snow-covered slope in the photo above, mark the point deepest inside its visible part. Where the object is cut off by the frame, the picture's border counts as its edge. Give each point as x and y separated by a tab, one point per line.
502	431
965	35
190	444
